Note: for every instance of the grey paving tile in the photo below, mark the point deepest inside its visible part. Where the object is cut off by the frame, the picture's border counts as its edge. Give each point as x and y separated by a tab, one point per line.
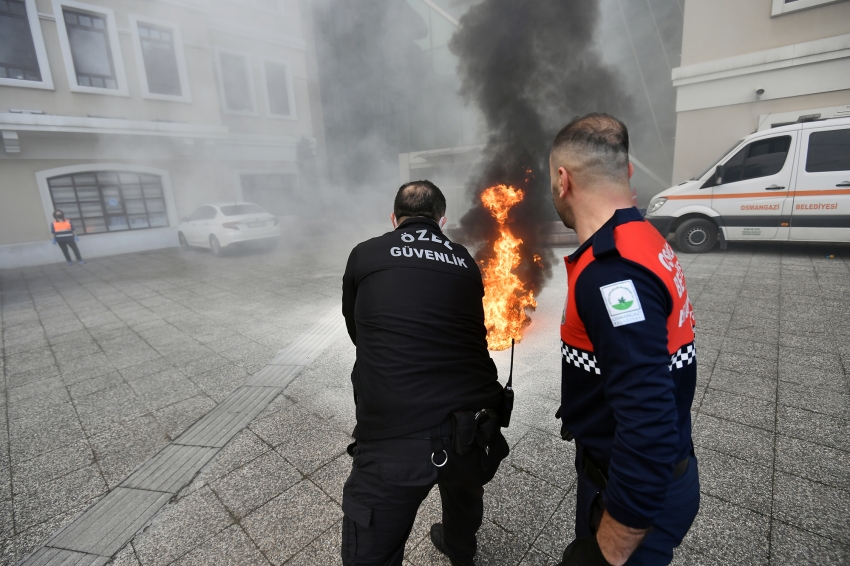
758	386
302	438
28	361
107	526
232	547
163	389
27	377
181	527
32	539
816	427
546	456
794	547
220	382
221	424
812	506
48	390
126	557
331	477
56	496
735	480
31	474
85	367
175	418
109	408
519	502
814	398
87	387
727	534
559	531
244	447
251	486
739	408
55	556
32	440
286	524
744	442
122	448
813	461
170	469
325	549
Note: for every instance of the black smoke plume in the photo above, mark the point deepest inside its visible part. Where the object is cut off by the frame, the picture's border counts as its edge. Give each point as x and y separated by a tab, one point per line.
530	67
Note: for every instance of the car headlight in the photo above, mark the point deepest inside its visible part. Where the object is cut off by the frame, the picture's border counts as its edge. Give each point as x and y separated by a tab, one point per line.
656	204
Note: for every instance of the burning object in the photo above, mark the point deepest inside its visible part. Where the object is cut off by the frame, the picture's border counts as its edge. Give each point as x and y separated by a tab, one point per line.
505	295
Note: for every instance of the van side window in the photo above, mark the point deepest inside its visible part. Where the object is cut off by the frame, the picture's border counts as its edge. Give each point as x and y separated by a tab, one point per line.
763	158
829	151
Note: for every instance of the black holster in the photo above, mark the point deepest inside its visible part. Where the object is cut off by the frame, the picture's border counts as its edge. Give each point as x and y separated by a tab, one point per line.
470	429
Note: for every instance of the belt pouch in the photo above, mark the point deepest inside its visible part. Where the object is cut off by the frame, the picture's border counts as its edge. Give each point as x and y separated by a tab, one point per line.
463	432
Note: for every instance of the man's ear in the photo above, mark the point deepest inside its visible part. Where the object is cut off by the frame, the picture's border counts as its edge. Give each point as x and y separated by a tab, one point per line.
392	220
631	169
564	182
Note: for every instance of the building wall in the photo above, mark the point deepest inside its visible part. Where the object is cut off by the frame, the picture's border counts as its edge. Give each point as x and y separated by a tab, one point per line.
715	29
201	148
741	64
704	135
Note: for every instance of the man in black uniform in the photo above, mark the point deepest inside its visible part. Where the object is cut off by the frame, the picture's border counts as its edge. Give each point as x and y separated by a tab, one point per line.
424	386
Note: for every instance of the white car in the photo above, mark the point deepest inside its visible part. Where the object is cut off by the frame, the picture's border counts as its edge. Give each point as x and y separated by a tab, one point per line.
220	226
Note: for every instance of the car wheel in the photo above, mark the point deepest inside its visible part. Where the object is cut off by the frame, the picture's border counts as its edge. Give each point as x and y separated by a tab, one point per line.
697	235
183	243
215	246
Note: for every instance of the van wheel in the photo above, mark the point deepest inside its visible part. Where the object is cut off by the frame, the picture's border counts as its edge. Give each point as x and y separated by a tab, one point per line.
215	246
696	236
183	243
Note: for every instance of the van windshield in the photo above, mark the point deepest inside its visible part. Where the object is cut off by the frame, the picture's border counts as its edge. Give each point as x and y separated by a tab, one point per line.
722	155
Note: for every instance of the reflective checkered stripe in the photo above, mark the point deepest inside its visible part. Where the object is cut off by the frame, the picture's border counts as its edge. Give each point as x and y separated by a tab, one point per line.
580	358
685	356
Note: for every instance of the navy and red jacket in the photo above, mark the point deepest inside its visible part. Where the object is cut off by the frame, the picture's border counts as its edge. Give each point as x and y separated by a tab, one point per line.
628	362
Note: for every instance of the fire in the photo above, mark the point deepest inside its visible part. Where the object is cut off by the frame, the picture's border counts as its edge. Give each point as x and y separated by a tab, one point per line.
505	295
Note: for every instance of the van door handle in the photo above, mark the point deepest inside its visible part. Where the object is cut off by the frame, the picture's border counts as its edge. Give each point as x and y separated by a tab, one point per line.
774	188
844	184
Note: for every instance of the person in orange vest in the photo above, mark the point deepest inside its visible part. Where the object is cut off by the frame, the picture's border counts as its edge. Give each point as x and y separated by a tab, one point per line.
64	236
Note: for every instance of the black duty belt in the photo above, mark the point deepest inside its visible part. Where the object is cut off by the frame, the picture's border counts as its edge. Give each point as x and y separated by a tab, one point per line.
598	474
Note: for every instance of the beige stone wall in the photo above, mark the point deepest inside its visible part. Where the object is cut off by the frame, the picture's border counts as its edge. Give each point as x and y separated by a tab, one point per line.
21	212
703	135
715	29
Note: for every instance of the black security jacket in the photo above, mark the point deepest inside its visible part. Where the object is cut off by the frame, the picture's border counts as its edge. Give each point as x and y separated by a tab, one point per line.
412	305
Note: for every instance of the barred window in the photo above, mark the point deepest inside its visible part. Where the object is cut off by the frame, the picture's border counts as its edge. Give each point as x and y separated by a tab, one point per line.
90	49
110	201
18	59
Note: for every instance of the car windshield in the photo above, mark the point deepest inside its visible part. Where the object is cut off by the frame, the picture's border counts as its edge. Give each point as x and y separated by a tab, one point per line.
240	209
724	154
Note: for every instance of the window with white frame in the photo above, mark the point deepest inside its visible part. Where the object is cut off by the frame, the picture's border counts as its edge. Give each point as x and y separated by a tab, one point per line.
110	201
279	89
162	63
236	82
89	39
23	60
786	6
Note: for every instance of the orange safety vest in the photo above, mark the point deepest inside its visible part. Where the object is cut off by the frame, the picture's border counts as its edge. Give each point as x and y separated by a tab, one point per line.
62	228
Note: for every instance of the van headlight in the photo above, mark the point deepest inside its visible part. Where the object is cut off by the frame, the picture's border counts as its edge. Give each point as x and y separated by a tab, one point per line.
655	204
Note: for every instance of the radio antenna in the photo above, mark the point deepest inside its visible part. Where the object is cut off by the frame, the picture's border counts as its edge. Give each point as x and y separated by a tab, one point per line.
510	384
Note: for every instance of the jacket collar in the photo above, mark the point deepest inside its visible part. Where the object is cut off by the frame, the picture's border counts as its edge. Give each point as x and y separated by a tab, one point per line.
416	220
602	240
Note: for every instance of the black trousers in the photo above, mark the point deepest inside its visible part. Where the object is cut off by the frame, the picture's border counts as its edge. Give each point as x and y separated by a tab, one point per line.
669	528
390	479
73	245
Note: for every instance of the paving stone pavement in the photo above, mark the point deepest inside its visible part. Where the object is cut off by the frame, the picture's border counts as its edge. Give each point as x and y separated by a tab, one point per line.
771	410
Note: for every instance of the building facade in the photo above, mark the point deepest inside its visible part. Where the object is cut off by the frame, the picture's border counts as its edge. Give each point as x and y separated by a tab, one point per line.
748	65
128	114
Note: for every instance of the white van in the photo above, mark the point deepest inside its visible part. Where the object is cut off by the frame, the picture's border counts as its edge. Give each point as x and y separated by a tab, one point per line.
787	183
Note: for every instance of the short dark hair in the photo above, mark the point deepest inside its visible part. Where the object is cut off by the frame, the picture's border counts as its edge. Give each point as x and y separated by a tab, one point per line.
600	141
419	198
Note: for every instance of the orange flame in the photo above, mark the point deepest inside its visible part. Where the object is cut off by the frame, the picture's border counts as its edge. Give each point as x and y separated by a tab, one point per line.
505	295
